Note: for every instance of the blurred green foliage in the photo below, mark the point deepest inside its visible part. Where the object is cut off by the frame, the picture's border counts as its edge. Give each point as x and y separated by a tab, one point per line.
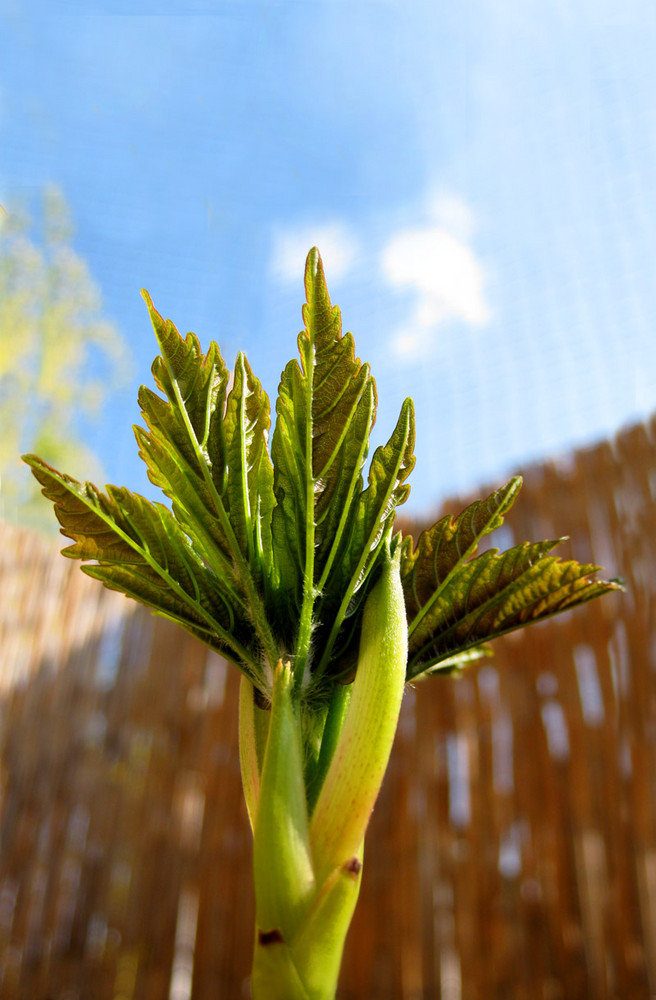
60	358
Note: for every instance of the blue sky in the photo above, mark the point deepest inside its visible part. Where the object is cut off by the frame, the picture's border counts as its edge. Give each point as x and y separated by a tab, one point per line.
480	178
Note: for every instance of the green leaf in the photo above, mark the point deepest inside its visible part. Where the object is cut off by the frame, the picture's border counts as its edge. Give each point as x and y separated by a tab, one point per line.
140	549
189	498
372	519
325	411
248	491
292	484
457	663
195	385
497	593
219	484
446	545
147	588
184	447
387	489
326	408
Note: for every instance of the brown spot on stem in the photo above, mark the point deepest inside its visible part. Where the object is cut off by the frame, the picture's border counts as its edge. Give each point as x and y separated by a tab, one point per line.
353	867
270	937
261	701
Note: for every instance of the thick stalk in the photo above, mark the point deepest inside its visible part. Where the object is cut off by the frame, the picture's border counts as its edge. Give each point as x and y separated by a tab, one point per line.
300	927
282	859
307	874
351	786
307	967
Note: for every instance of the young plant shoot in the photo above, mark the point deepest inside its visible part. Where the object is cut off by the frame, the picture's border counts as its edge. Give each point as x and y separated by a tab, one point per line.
289	565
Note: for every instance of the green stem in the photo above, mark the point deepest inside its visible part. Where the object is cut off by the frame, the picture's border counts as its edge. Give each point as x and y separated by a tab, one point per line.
300	926
307	967
349	791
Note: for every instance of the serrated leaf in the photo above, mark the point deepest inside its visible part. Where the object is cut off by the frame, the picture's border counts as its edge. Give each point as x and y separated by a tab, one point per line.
148	589
195	386
186	451
373	517
325	411
497	593
186	429
248	490
292	483
391	465
189	498
140	549
443	547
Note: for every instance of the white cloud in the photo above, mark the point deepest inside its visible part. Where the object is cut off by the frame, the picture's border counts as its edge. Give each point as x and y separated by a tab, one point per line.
336	244
437	263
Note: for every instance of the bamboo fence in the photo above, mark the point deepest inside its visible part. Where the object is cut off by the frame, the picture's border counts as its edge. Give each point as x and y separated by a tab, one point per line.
512	853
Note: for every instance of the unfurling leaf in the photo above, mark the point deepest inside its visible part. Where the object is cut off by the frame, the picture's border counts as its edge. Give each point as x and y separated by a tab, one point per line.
456	603
326	409
447	544
325	529
248	491
371	523
210	457
195	386
139	549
